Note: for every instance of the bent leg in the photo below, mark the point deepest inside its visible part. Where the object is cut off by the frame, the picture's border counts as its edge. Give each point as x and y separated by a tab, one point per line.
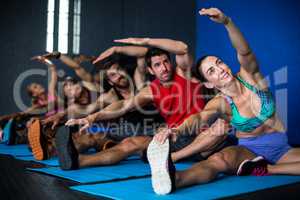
225	161
117	153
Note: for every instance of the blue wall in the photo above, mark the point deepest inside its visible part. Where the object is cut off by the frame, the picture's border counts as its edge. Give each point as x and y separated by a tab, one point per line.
272	28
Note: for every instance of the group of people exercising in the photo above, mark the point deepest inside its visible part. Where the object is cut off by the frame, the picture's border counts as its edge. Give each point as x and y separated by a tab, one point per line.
180	111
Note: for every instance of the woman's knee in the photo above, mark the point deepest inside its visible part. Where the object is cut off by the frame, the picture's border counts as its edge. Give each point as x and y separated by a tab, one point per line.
219	160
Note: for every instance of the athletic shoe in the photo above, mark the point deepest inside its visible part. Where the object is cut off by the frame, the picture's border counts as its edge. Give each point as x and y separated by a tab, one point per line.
255	167
37	141
162	167
67	153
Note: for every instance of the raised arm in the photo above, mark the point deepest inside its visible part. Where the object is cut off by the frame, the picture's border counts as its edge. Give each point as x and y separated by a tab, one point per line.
140	74
79	70
116	109
183	59
244	53
53	74
135	51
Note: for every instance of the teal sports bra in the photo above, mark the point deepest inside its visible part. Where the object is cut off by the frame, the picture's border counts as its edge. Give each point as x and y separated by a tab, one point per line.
245	124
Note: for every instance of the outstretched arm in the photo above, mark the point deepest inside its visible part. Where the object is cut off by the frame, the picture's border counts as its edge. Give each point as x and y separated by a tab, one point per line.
136	51
179	48
197	121
79	70
116	109
244	53
126	50
53	74
75	110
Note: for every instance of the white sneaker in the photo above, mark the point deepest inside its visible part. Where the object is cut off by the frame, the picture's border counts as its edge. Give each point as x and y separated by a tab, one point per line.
158	157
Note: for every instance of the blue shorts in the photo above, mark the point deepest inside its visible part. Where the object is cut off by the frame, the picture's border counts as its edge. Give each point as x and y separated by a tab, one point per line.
271	146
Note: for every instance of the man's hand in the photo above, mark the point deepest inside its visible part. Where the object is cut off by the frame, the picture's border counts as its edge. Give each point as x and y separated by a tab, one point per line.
85	122
135	41
54	119
215	15
105	54
163	134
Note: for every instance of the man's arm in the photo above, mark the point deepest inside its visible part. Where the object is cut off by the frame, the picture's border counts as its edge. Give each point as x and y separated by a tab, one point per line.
183	59
135	51
79	70
75	111
140	74
116	109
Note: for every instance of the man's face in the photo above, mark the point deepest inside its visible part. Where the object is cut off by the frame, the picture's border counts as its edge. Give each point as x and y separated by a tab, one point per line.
161	68
117	77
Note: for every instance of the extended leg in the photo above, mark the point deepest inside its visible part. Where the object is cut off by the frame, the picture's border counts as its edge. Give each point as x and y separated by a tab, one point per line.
117	153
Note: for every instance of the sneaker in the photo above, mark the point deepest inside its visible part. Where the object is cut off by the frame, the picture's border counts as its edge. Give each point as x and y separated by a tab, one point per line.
162	167
37	141
67	153
255	167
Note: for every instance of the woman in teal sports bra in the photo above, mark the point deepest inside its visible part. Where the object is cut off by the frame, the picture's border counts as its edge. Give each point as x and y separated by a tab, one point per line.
246	102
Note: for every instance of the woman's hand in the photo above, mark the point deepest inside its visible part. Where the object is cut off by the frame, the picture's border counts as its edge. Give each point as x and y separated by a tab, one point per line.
215	15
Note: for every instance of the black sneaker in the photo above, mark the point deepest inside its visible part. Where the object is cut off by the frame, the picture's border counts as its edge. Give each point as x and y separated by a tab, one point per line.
67	153
255	167
162	168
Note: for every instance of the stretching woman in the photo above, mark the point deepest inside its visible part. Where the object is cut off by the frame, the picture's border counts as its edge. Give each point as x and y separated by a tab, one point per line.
247	103
49	100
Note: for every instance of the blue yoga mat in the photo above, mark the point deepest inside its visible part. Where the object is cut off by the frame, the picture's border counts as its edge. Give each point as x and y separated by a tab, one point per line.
6	132
125	169
15	150
53	162
227	186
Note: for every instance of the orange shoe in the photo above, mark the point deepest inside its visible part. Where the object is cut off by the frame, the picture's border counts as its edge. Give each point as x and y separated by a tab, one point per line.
36	140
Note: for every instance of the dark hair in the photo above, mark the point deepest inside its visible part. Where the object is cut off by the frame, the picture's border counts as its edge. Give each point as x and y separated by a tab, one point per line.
153	51
127	63
28	90
69	79
197	72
